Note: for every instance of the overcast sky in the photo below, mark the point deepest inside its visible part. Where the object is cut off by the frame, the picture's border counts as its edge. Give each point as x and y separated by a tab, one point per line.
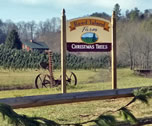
40	10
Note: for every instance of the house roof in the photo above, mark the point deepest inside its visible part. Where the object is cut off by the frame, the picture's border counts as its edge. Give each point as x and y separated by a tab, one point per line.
36	45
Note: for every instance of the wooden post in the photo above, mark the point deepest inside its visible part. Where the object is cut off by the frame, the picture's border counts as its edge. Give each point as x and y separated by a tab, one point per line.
51	68
114	49
63	52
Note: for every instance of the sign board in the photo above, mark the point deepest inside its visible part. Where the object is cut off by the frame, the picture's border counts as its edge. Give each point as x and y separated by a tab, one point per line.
89	34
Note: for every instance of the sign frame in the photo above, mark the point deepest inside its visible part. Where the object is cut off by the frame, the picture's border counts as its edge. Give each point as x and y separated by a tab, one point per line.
88	34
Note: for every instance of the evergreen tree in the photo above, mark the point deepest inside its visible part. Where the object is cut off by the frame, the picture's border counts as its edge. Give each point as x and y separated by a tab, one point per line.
94	37
117	11
101	15
134	14
13	40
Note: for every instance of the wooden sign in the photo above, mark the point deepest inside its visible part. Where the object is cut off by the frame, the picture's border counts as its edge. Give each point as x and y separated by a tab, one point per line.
89	34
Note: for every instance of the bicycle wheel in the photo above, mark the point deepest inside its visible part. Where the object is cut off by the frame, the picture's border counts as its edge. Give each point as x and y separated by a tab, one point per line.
42	81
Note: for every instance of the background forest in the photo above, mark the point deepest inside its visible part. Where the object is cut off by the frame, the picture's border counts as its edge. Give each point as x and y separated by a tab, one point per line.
134	29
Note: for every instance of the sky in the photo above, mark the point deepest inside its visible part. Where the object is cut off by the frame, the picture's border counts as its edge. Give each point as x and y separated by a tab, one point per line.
40	10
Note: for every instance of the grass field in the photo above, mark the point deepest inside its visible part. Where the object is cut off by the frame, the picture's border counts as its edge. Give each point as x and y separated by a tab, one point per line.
88	80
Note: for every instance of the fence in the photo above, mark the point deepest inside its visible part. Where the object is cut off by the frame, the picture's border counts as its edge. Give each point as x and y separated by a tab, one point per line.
43	100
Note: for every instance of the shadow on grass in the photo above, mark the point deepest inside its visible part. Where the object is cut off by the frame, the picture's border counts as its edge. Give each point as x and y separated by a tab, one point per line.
141	122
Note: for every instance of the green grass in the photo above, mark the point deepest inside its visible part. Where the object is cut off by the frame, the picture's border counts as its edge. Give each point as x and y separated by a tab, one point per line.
17	77
99	78
79	112
127	78
88	80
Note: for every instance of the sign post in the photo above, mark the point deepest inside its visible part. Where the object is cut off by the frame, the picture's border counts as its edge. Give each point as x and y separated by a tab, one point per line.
63	52
113	52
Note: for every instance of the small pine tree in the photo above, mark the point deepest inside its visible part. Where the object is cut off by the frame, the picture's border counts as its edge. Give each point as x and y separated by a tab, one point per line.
94	37
117	11
13	40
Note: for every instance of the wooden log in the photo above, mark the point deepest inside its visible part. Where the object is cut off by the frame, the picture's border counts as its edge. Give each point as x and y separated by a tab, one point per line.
43	100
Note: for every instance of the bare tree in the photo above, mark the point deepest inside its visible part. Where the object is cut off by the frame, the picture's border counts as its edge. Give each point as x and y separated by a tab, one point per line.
31	29
8	26
145	48
23	31
127	42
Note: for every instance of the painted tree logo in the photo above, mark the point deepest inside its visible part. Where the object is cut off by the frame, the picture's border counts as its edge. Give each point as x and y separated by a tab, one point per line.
89	37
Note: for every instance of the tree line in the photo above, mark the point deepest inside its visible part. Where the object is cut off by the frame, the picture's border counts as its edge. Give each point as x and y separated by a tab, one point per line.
46	31
134	40
19	59
134	30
